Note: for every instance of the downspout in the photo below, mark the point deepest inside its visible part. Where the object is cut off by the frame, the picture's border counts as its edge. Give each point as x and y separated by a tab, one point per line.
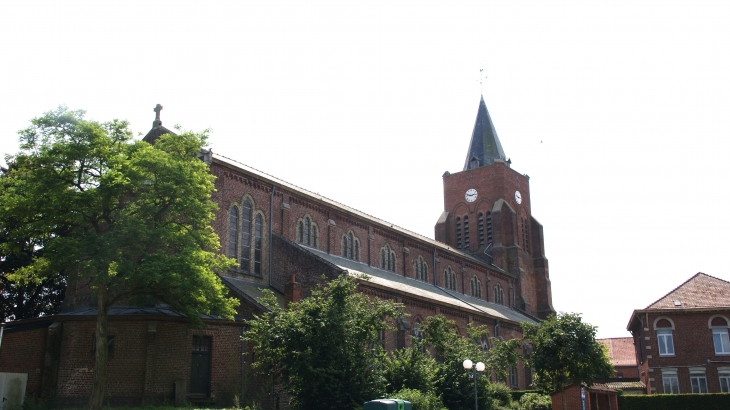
271	235
243	364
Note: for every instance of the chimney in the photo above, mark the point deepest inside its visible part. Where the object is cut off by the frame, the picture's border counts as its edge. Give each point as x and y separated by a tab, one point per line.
292	291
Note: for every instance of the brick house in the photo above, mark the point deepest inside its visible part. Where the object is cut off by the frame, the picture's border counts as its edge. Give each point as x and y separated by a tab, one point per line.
487	266
681	340
623	357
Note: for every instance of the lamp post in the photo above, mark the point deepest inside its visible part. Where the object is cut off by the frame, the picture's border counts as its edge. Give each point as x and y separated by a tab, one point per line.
478	367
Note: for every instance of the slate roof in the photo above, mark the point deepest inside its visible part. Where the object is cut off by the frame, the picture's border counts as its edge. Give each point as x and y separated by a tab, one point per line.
625	385
699	291
251	291
621	350
423	290
131	311
484	146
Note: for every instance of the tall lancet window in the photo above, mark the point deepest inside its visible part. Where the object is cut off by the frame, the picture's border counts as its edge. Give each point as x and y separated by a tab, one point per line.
246	225
233	233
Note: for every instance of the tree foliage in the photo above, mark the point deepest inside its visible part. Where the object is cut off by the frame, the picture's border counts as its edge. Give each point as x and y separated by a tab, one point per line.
565	351
130	220
324	350
452	383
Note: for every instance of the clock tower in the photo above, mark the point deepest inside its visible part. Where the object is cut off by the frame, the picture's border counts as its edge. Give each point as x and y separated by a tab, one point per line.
487	214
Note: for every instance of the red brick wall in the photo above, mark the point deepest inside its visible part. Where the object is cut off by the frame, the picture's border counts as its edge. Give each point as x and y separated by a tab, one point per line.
693	347
23	351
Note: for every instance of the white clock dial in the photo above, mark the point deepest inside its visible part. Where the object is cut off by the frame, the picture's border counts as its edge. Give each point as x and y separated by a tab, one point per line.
471	195
518	197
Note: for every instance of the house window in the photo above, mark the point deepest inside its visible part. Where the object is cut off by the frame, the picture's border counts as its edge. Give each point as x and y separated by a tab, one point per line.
698	380
307	232
350	246
476	287
420	268
722	342
670	382
233	233
458	233
498	294
449	278
387	258
666	342
246	225
724	376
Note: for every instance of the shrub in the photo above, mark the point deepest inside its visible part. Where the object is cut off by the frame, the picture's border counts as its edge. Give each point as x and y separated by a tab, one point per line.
420	400
535	401
675	401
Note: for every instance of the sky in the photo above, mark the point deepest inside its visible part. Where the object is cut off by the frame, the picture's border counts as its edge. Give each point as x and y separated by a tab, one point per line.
618	111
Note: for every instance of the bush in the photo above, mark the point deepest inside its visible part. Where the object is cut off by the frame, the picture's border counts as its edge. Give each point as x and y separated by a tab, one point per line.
500	394
535	401
420	400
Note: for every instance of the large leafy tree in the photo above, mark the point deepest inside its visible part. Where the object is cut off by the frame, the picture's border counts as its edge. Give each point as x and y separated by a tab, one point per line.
29	299
129	219
324	350
452	383
565	351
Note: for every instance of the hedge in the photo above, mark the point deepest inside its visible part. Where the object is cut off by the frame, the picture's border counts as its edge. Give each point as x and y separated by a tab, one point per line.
712	401
517	394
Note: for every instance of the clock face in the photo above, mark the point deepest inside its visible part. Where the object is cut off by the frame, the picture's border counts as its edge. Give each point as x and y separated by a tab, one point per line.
471	195
518	197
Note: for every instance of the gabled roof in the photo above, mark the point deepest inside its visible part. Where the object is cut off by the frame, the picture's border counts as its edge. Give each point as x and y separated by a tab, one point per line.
699	291
484	147
621	350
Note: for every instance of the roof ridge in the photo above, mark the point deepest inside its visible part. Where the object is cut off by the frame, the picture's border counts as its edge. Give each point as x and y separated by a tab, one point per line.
671	291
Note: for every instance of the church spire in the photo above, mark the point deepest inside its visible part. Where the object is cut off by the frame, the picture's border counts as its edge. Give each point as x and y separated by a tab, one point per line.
484	147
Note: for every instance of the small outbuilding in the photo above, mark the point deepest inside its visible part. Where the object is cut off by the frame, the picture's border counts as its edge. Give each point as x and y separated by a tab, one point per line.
597	397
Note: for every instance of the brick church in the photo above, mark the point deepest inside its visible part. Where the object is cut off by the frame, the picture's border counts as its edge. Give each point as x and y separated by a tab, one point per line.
486	265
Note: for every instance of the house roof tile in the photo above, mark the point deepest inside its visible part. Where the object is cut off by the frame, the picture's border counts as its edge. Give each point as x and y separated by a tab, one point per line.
621	350
699	291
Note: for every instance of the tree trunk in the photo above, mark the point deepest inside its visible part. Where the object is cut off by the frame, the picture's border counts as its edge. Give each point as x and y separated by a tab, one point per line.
102	350
562	396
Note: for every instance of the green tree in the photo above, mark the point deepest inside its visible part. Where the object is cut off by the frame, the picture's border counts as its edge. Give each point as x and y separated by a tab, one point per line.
452	383
324	350
130	219
565	351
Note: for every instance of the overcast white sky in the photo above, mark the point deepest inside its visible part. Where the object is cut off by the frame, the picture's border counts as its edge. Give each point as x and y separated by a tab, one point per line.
617	111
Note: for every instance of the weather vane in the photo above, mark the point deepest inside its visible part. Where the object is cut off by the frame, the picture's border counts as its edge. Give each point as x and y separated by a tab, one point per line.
482	77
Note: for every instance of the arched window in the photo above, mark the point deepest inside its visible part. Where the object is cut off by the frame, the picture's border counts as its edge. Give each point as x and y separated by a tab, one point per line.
420	269
307	231
418	334
449	278
664	335
350	246
259	226
246	225
719	326
233	233
466	231
476	287
458	232
387	258
498	294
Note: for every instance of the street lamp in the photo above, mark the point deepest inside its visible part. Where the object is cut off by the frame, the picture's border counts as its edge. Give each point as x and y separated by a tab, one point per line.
479	367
